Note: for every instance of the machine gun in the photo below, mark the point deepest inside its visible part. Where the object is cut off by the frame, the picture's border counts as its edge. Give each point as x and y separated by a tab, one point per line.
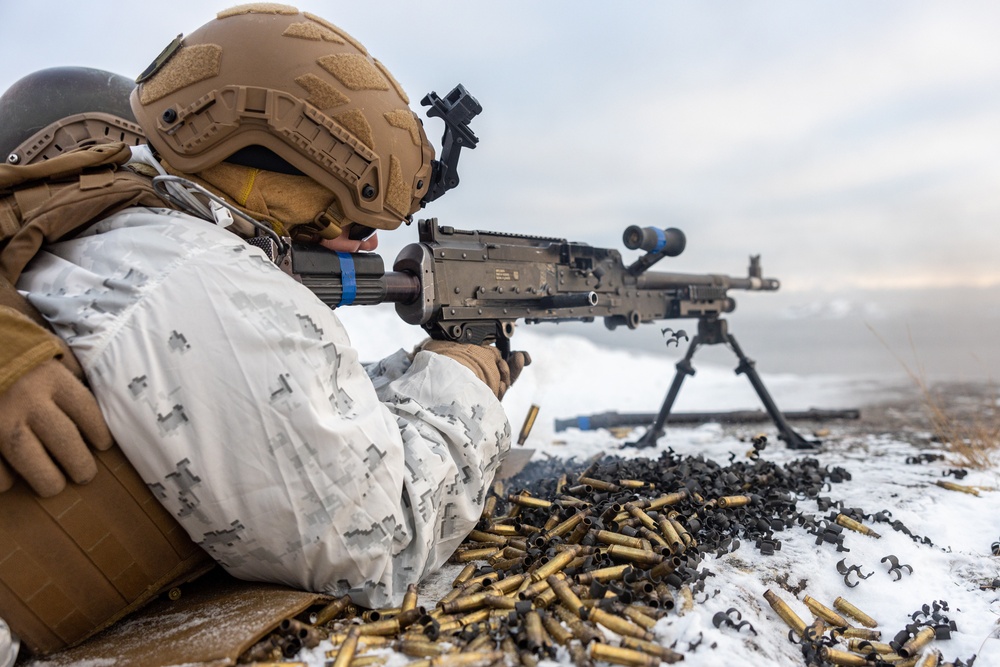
473	286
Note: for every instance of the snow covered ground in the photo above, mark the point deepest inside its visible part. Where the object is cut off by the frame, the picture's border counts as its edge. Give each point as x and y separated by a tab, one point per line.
572	376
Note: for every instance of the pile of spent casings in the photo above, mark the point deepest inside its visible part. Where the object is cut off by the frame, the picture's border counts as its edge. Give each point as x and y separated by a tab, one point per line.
574	550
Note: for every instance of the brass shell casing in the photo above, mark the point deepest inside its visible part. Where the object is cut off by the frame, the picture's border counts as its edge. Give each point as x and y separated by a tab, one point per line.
529	422
639	514
859	645
544	599
566	526
951	486
509	584
670	534
367	660
529	501
668	499
860	633
474	554
609	537
653	537
665	568
500	602
613	573
560	561
464	576
480	659
598	484
348	648
331	611
465	603
566	595
533	629
638	617
842	605
416	648
855	644
369	641
664	653
536	588
489	538
856	526
477	616
556	630
372	615
917	642
687	599
931	659
585	633
480	643
639	556
391	626
842	657
618	624
622	656
785	612
733	501
685	536
489	507
501	564
503	529
453	594
824	612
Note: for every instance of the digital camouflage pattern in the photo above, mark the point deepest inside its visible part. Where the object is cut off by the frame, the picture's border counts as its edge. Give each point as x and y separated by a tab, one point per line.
237	395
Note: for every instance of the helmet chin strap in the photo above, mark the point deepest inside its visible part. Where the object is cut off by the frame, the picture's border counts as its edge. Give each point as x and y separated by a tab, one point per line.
328	224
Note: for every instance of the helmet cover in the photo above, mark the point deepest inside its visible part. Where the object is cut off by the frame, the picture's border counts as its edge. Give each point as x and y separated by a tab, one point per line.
266	75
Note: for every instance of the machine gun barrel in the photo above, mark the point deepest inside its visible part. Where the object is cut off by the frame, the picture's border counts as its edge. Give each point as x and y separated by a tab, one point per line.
656	280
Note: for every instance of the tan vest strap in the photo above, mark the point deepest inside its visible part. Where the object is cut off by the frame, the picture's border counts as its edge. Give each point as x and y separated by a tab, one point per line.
10	220
97	179
29	199
66	165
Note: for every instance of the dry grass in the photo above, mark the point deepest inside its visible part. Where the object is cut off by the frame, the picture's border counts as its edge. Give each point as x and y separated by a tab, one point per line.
967	425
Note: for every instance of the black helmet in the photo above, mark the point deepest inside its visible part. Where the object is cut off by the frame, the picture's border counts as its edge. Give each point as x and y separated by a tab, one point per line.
54	110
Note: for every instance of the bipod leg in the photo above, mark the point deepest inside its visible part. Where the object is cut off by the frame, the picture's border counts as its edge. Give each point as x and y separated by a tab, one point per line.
785	431
684	368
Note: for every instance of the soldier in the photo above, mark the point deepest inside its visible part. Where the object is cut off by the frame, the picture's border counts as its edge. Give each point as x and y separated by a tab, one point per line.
232	389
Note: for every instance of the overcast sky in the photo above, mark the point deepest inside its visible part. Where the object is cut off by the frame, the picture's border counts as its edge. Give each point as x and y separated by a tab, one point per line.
852	143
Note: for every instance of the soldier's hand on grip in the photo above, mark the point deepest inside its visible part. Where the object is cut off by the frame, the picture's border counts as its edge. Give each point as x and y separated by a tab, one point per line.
47	417
483	360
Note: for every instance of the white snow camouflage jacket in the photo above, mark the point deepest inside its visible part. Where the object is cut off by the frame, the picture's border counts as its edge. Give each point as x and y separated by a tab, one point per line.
237	395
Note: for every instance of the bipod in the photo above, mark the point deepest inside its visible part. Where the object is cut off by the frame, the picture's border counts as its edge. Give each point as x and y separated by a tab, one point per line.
715	331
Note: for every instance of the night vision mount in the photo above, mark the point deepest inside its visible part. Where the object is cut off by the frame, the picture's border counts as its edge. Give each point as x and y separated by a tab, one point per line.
456	109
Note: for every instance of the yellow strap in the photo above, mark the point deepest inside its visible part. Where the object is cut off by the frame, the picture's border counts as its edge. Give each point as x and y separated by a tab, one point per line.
248	186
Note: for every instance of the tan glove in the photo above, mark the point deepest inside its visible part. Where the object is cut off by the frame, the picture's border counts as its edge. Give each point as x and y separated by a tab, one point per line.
483	360
45	418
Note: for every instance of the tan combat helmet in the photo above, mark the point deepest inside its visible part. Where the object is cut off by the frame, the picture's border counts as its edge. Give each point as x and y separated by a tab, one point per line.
267	86
55	110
